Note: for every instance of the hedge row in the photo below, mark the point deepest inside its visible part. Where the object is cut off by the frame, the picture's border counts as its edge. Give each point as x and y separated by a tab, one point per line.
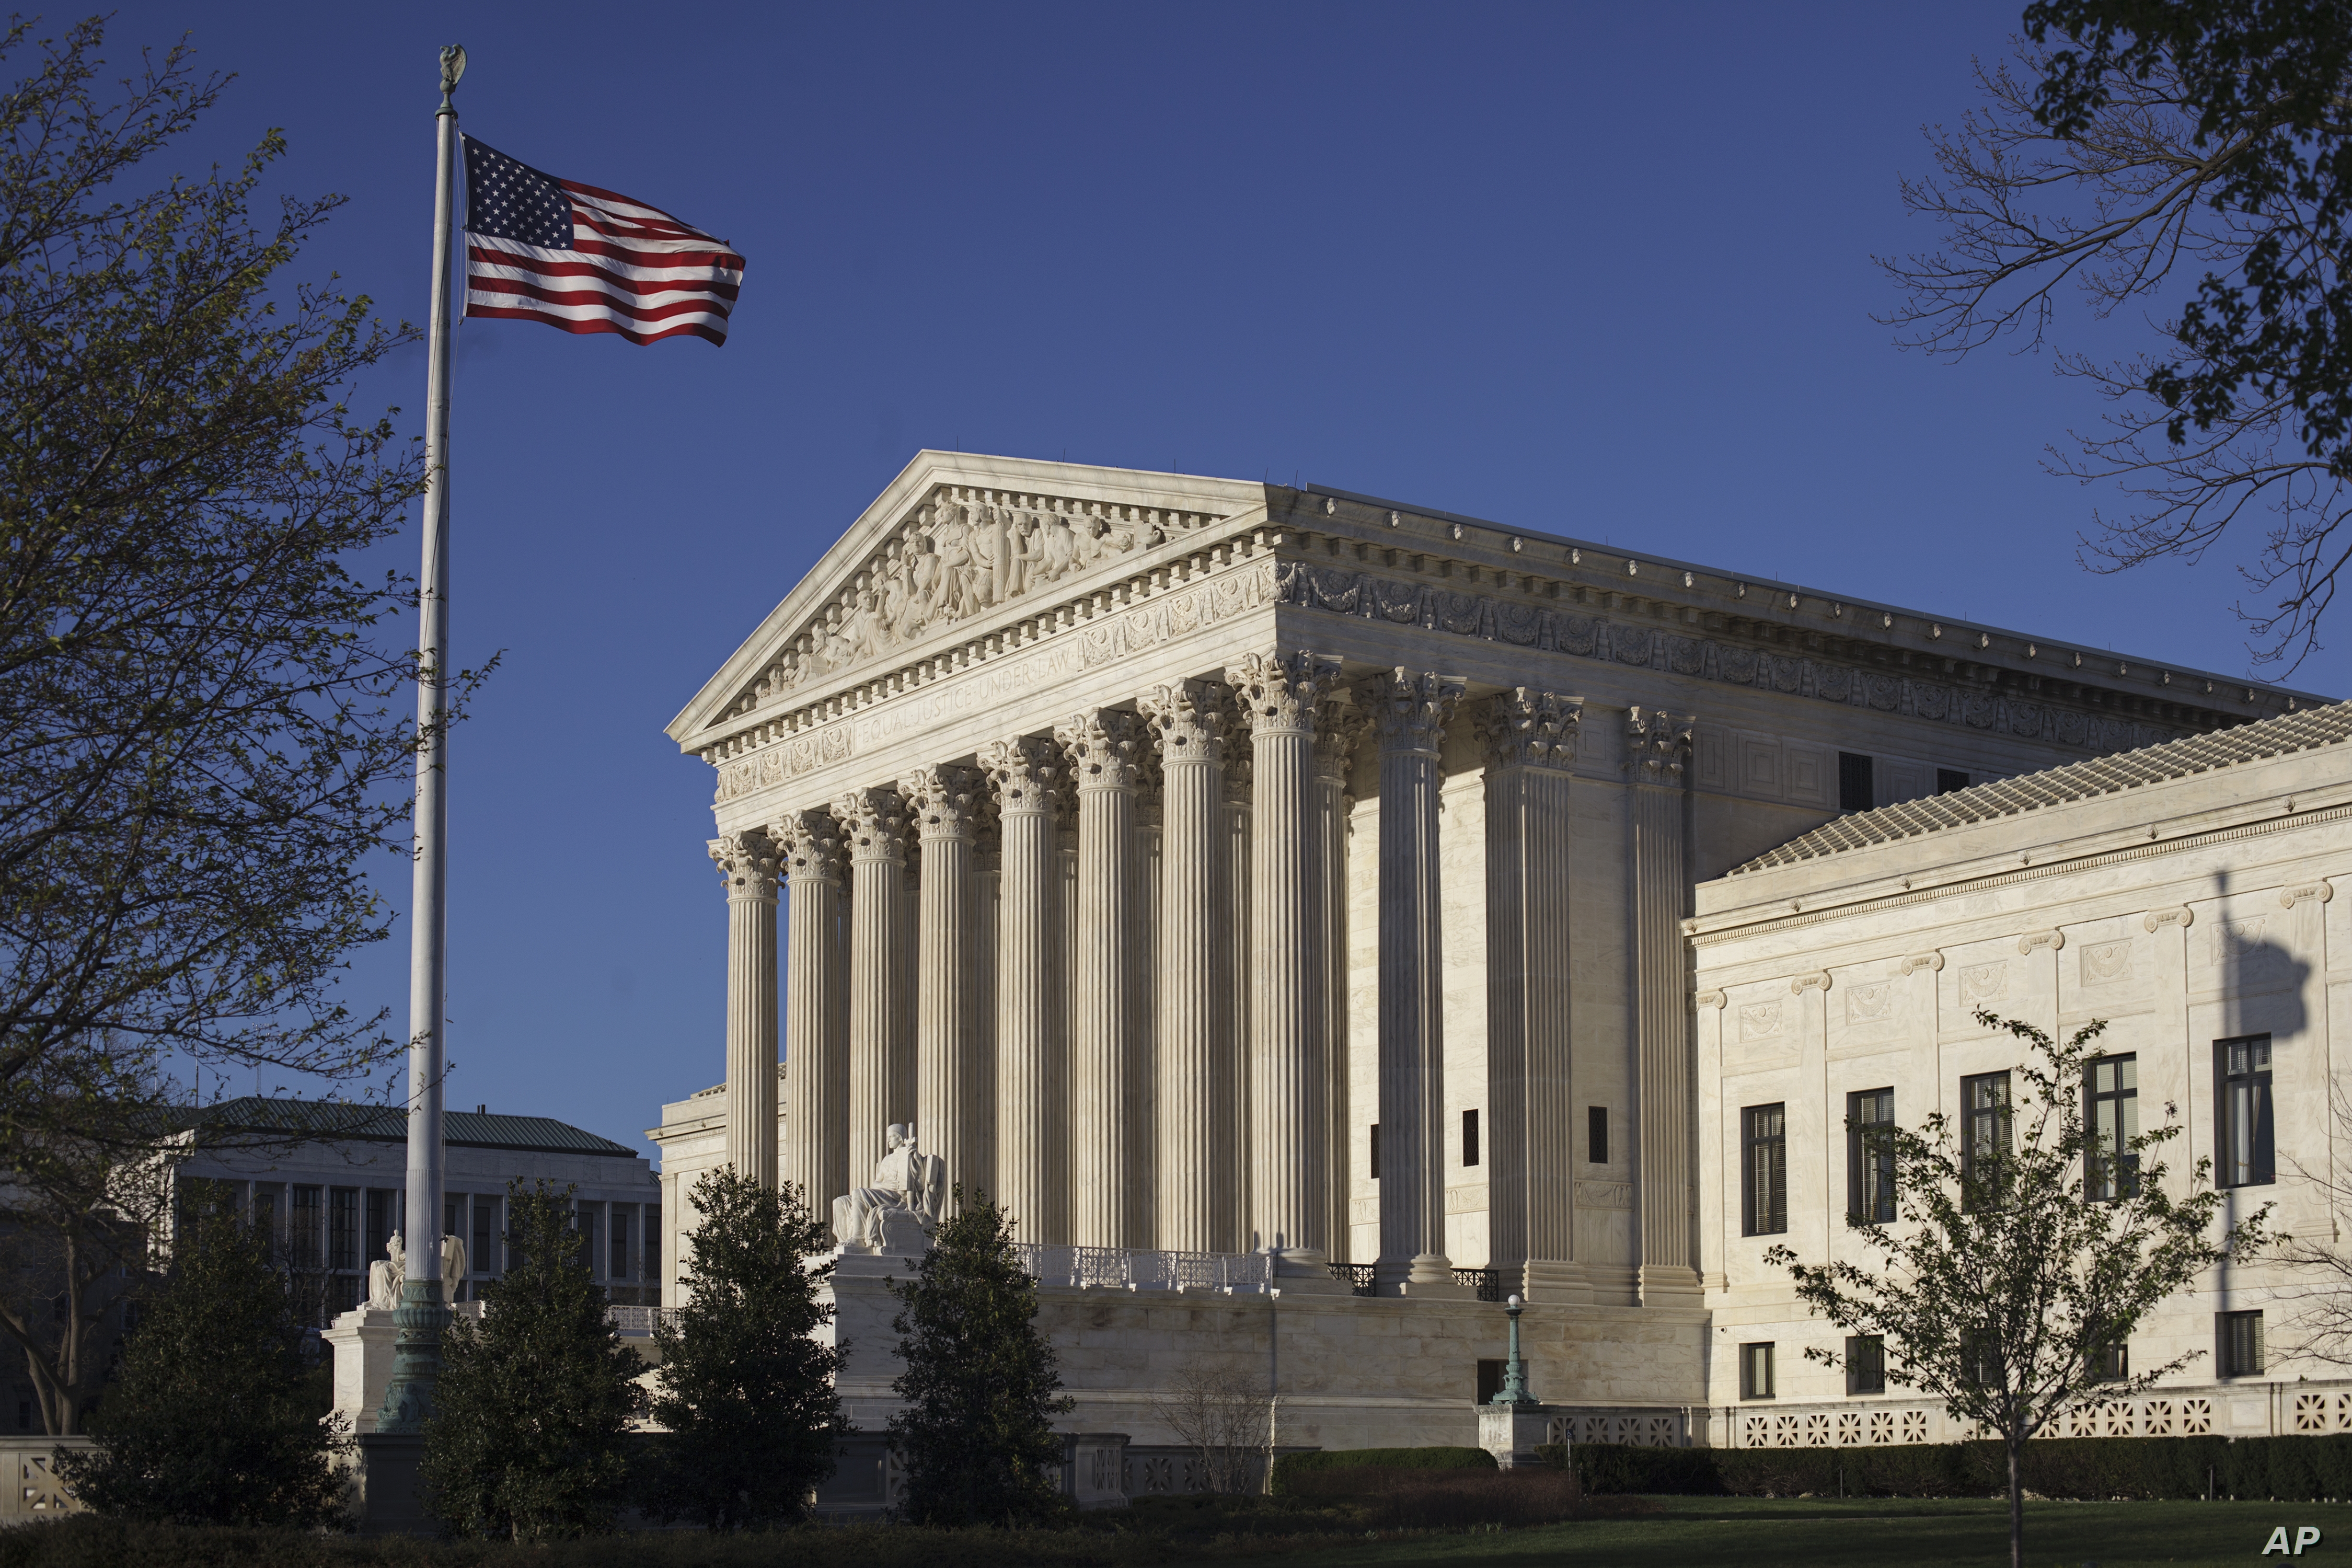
2288	1469
1291	1465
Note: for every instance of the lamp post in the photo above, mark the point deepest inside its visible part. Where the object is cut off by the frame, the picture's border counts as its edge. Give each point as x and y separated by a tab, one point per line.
1515	1372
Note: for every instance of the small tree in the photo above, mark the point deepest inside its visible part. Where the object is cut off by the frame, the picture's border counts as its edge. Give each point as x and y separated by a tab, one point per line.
2026	1248
1219	1414
976	1437
745	1388
210	1420
525	1438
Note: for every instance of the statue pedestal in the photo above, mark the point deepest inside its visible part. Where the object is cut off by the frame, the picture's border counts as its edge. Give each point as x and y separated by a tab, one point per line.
362	1342
1511	1433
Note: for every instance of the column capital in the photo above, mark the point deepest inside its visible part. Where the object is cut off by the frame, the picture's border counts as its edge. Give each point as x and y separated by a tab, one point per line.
1657	745
875	821
1025	771
811	844
1411	708
747	863
1279	691
1240	760
1528	728
945	802
1189	720
1103	747
1339	725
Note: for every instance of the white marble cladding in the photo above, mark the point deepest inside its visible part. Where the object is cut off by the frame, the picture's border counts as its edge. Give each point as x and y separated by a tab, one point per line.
1524	1063
2184	912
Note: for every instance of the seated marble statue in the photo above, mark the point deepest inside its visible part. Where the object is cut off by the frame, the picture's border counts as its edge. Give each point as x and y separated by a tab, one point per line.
385	1275
899	1210
388	1275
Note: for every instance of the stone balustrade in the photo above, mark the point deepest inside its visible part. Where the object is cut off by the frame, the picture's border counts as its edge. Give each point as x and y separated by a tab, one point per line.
1144	1269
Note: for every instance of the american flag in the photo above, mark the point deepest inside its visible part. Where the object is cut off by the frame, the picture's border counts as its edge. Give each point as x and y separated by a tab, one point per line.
588	260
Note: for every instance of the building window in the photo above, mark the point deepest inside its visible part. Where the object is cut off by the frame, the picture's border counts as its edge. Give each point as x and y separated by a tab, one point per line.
2112	1169
1596	1134
1854	792
2241	1348
2244	1068
1865	1364
380	1224
1373	1145
1950	779
1756	1370
590	1224
1490	1381
265	1222
1469	1138
1764	1170
302	1244
1980	1361
652	1244
620	1241
1870	1155
2112	1364
1984	1130
343	1229
483	1257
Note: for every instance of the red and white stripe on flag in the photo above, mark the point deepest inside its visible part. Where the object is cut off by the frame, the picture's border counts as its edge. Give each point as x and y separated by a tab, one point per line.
630	270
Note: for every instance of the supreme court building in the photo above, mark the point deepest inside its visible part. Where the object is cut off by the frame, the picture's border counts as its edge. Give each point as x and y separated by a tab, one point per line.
1278	901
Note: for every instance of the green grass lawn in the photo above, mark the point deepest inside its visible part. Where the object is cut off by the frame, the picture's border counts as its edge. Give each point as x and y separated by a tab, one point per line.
1695	1532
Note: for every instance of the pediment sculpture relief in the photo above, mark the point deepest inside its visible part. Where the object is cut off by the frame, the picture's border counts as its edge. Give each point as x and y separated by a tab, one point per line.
962	552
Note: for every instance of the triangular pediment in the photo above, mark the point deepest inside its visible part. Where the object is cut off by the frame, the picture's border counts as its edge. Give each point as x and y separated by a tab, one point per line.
958	543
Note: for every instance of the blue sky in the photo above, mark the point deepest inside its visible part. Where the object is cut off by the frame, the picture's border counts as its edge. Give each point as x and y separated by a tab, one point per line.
1603	270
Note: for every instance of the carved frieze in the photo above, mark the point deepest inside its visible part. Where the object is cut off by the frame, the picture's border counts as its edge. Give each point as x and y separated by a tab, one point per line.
1528	728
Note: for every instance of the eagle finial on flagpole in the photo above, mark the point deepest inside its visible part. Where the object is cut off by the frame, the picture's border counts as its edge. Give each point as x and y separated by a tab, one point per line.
453	66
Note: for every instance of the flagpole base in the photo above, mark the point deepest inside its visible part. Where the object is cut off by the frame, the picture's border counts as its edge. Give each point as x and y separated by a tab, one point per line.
416	1358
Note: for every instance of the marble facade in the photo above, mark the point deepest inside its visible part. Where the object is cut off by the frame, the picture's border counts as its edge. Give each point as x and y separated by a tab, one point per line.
1168	850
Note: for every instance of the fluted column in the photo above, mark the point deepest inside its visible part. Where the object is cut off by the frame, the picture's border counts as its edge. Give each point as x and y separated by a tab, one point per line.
881	1047
1194	988
1230	1052
1658	747
986	881
1337	728
1410	708
1031	1126
1143	994
816	1009
747	864
1288	1168
1530	1099
944	804
1100	750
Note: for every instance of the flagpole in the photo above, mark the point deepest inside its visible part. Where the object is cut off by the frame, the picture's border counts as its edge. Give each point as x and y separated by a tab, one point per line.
422	1315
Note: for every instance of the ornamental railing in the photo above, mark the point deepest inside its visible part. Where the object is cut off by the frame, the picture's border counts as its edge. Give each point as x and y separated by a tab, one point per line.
1144	1269
1359	1278
1486	1282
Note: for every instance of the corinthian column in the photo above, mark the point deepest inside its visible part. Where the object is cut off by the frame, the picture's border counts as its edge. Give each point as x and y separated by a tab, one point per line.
1288	1168
1100	748
1657	745
747	863
1337	727
1229	1055
1031	1129
1531	1144
944	804
816	1010
1411	710
1194	985
881	1049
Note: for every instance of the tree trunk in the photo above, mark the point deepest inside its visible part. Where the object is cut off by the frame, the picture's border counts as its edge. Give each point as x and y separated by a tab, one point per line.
2016	1504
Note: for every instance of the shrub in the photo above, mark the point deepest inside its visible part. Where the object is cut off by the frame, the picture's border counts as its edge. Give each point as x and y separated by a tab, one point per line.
1290	1466
1447	1498
210	1421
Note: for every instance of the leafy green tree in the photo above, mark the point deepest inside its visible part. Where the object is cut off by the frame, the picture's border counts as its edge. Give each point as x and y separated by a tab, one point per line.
2186	160
976	1437
526	1439
744	1387
210	1419
2026	1247
203	729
